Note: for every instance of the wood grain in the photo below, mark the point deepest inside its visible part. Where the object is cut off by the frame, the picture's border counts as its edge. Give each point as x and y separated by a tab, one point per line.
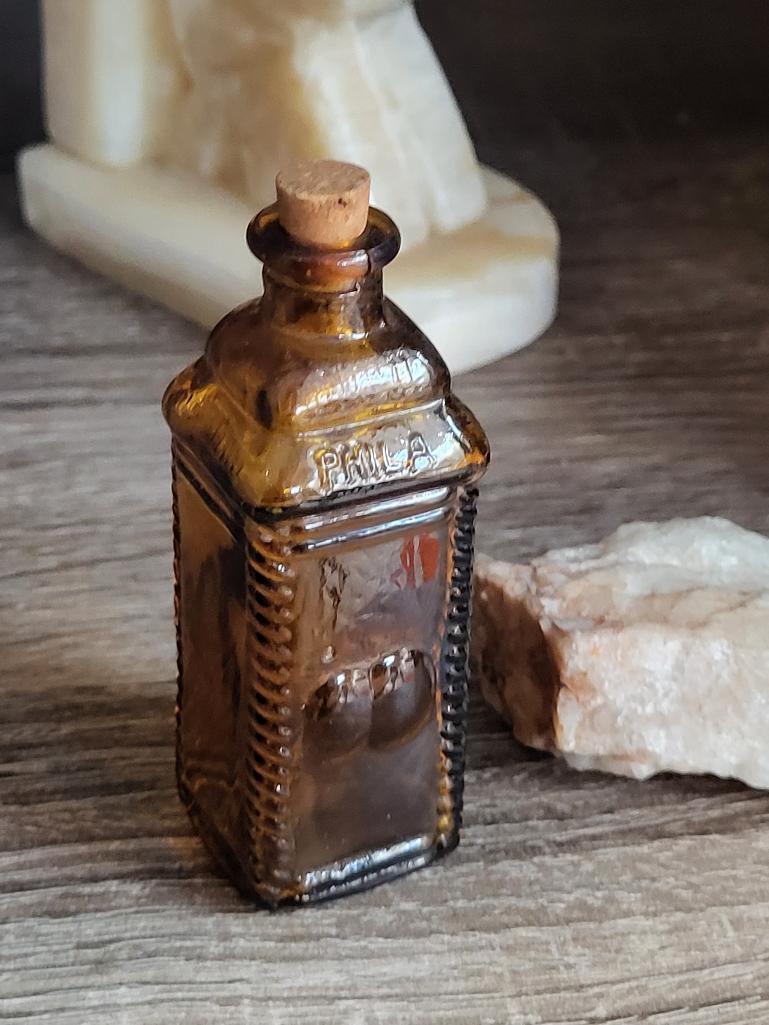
573	899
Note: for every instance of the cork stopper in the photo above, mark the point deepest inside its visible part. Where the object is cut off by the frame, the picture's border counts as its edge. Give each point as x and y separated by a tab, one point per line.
323	202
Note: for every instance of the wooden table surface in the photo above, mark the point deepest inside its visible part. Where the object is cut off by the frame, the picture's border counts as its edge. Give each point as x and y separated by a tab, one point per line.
572	898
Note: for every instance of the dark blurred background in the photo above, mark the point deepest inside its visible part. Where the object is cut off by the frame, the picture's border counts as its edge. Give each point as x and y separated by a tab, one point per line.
553	72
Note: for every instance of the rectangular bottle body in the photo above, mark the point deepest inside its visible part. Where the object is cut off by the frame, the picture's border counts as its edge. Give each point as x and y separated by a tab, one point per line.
322	681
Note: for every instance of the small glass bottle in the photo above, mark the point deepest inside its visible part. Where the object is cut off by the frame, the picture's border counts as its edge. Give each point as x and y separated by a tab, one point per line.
324	499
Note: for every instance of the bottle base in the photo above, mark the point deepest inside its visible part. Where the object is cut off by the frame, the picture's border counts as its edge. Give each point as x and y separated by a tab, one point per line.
341	878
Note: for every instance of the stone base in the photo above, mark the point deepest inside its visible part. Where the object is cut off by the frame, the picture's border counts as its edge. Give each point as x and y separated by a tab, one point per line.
479	293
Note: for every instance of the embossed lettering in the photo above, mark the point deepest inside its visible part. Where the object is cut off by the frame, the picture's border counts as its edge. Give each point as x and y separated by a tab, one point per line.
386	463
418	451
356	463
327	461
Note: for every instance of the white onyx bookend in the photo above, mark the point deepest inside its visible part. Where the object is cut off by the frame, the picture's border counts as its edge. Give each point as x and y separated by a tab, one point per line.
169	119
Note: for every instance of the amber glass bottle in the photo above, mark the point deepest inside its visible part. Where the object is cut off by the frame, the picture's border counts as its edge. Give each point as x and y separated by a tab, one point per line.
324	497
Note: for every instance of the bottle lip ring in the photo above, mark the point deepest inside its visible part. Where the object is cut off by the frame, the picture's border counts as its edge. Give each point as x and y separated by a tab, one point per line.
373	249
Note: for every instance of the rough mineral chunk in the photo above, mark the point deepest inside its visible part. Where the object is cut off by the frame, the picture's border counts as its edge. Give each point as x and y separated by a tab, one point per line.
645	653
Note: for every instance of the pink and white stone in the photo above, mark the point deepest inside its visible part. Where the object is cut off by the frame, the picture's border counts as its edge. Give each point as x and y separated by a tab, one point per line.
647	652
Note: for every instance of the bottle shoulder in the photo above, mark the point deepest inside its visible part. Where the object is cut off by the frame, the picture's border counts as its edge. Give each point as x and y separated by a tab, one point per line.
283	417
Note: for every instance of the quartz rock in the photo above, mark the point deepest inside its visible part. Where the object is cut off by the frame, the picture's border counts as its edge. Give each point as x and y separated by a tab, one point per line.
645	653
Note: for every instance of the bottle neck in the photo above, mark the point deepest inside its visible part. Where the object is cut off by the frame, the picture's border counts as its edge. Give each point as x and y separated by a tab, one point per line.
307	289
351	313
